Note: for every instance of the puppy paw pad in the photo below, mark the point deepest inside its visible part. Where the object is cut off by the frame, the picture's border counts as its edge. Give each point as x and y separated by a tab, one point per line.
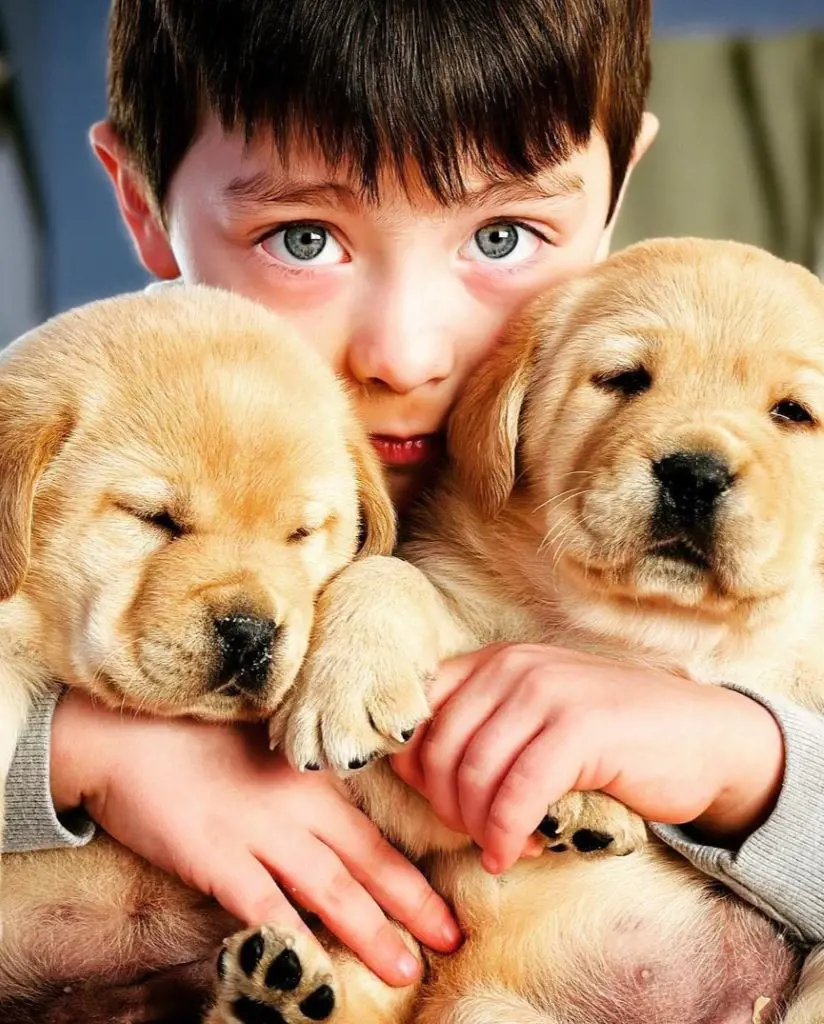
587	840
250	953
318	1005
285	972
250	1011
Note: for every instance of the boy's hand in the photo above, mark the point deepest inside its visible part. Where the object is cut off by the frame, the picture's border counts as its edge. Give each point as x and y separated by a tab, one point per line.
214	806
519	726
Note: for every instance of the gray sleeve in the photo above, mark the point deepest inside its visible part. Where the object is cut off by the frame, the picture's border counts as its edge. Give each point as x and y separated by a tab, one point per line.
780	867
31	820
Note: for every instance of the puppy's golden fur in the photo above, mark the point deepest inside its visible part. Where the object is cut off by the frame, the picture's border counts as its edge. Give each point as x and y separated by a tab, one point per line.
501	554
555	526
175	470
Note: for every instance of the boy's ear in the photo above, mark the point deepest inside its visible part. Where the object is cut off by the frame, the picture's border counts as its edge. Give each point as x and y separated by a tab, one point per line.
34	423
137	209
646	136
378	522
482	435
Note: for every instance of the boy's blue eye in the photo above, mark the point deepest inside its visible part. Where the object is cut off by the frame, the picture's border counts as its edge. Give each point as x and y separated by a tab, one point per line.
497	240
304	243
504	242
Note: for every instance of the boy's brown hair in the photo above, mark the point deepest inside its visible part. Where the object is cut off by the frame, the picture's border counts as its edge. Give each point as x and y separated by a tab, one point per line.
510	86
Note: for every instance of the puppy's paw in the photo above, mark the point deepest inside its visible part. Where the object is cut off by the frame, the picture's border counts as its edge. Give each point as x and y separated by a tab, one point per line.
352	703
271	975
362	690
592	823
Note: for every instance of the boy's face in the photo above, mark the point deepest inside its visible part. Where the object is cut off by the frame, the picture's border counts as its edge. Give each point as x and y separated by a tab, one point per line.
404	297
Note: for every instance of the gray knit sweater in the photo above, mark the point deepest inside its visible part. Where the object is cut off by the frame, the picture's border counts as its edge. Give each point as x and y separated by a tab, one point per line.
779	868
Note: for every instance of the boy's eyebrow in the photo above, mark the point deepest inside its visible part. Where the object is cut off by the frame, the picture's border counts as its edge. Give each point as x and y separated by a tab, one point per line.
553	185
262	189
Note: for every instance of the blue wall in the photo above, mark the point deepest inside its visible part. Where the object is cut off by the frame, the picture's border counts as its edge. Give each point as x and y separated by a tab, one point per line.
58	55
737	15
58	48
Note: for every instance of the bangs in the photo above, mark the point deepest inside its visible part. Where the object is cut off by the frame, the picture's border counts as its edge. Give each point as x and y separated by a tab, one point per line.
430	87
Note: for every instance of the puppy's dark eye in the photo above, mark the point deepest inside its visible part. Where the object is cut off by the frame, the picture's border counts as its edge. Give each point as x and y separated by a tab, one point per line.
166	522
300	534
791	412
161	520
628	383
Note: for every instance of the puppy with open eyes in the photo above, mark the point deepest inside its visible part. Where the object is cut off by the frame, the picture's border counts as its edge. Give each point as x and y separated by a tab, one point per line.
676	393
179	478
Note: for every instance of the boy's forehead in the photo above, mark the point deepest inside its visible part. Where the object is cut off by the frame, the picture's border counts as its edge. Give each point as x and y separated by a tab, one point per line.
241	172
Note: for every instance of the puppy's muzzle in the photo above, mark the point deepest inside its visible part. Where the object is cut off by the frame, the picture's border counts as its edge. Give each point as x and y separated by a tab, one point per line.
691	488
246	645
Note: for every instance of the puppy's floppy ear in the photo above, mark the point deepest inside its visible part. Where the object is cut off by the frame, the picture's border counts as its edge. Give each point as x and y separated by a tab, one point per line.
34	423
378	526
482	434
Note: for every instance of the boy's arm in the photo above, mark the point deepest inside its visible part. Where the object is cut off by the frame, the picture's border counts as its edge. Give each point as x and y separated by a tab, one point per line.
31	822
779	867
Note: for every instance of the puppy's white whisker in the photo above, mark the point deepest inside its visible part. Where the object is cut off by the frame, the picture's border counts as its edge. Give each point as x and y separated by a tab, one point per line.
557	499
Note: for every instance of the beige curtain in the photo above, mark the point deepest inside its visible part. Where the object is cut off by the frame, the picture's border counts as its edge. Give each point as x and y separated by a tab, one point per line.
741	149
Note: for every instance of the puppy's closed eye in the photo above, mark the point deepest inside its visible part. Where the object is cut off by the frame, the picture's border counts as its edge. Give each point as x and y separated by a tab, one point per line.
627	383
312	528
302	532
161	519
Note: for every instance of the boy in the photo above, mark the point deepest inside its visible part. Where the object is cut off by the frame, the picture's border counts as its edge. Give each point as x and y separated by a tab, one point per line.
396	177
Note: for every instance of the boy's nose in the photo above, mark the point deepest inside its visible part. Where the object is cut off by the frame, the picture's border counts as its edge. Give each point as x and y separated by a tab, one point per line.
404	349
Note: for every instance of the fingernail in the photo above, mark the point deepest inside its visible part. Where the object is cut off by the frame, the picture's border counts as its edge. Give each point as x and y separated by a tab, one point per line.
451	933
408	966
491	864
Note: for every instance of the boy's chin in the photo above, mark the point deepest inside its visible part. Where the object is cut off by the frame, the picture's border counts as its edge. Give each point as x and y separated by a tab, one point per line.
406	485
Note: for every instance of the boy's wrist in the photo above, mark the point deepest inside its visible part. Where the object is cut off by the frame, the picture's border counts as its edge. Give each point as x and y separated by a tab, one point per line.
76	747
752	773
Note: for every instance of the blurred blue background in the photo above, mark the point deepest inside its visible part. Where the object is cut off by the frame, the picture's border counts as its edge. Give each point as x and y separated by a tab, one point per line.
56	56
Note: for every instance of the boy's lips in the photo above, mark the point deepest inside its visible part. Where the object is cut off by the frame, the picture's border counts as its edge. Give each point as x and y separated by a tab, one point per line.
404	452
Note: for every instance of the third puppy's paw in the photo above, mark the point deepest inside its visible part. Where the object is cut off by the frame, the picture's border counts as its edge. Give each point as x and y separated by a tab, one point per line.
592	823
271	975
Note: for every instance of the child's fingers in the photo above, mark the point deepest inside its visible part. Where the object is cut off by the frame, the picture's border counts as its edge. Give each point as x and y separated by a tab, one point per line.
490	756
452	675
454	672
248	892
320	882
396	884
535	847
543	773
407	764
448	736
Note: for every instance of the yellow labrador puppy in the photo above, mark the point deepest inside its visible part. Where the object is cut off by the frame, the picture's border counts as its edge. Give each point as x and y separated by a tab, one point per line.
179	478
676	393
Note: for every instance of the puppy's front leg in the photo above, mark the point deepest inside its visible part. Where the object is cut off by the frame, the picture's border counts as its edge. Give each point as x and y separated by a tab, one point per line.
381	629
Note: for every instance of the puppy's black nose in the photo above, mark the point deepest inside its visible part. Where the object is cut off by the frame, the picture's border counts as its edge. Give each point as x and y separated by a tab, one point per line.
690	485
246	645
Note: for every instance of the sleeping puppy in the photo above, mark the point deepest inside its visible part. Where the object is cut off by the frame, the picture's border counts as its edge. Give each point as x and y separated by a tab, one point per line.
639	472
179	478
